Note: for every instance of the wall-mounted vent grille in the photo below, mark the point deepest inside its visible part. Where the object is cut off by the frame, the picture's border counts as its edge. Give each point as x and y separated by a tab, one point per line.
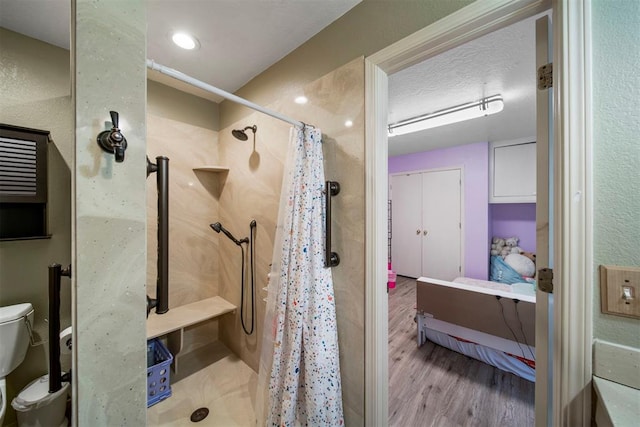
18	170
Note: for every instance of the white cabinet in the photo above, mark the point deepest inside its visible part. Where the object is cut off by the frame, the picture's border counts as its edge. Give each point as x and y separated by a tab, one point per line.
426	237
512	171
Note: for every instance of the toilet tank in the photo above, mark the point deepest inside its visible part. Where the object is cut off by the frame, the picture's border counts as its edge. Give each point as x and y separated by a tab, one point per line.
14	335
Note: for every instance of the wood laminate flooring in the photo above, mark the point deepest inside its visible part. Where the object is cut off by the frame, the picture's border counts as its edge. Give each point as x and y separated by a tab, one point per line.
434	386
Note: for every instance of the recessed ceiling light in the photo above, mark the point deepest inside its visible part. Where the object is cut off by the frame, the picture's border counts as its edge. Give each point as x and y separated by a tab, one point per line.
348	123
301	100
184	40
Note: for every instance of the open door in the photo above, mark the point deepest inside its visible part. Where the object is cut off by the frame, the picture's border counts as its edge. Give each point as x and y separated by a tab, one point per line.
544	222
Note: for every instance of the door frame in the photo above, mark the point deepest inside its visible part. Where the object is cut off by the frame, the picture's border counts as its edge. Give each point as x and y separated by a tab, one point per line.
572	191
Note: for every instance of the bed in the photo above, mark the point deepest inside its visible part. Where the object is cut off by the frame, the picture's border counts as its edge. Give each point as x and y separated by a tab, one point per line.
489	321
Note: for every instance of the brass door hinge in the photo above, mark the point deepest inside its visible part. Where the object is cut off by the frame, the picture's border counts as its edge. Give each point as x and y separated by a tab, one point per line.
545	280
545	76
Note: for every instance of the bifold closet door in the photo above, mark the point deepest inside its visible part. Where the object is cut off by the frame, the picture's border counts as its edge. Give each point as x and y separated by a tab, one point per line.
442	224
406	224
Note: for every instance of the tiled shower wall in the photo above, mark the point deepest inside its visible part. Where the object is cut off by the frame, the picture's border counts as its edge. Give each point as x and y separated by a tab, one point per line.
252	191
193	205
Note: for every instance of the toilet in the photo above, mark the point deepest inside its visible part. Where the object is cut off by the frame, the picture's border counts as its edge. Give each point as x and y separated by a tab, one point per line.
15	324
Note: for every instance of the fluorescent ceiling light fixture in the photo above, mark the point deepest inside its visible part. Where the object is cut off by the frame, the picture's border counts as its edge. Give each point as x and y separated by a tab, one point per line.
484	107
301	100
184	40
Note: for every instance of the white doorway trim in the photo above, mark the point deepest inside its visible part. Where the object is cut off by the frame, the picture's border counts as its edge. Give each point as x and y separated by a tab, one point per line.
572	187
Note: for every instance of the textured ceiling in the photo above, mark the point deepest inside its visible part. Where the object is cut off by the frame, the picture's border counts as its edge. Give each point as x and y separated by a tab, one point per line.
239	39
502	62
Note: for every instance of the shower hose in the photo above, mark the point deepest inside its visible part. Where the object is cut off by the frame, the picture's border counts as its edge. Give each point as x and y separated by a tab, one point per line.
248	330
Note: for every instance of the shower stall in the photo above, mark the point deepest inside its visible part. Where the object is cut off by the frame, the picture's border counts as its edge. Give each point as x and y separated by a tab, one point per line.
217	350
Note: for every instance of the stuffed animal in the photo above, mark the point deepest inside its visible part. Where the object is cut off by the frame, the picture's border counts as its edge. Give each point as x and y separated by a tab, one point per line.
521	264
512	242
504	247
529	255
497	245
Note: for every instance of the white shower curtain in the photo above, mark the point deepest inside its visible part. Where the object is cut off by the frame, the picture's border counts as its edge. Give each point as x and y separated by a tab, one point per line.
299	372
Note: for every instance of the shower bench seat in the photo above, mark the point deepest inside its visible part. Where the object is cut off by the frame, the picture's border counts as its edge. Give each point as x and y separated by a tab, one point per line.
173	322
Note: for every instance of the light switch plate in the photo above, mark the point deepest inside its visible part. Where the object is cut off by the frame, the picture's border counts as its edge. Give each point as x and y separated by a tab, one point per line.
620	290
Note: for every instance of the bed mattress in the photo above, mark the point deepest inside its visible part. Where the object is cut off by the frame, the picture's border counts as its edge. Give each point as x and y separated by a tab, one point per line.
520	363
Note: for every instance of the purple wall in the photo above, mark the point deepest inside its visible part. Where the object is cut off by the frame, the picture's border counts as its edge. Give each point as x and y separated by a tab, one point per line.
475	161
515	219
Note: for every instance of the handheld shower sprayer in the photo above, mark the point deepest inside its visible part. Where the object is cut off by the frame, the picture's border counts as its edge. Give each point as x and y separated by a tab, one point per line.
217	227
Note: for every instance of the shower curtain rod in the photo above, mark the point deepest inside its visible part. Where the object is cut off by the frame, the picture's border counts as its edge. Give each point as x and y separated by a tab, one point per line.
231	97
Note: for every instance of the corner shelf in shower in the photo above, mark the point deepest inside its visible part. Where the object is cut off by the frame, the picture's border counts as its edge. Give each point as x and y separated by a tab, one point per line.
215	169
173	322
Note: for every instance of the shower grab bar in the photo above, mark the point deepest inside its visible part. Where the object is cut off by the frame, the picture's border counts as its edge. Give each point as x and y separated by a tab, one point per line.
55	371
331	188
161	168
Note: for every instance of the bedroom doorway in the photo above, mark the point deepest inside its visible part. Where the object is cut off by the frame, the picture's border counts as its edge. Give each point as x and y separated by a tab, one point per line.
572	360
396	354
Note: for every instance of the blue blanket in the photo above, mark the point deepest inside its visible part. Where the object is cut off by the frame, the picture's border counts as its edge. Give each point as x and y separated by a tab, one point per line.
502	272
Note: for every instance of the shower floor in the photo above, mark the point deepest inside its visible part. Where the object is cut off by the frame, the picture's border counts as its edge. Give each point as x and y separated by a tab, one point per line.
226	387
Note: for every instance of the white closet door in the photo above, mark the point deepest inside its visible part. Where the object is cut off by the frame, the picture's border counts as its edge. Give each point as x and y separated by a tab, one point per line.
441	248
406	224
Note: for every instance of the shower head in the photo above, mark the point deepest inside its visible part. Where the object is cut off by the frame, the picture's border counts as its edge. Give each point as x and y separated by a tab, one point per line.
217	227
241	134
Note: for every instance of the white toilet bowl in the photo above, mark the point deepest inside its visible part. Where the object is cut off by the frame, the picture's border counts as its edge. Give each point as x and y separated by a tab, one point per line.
15	323
36	407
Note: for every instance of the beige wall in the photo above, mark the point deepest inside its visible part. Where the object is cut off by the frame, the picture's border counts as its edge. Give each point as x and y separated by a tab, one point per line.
252	191
616	154
368	27
36	92
169	103
181	131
